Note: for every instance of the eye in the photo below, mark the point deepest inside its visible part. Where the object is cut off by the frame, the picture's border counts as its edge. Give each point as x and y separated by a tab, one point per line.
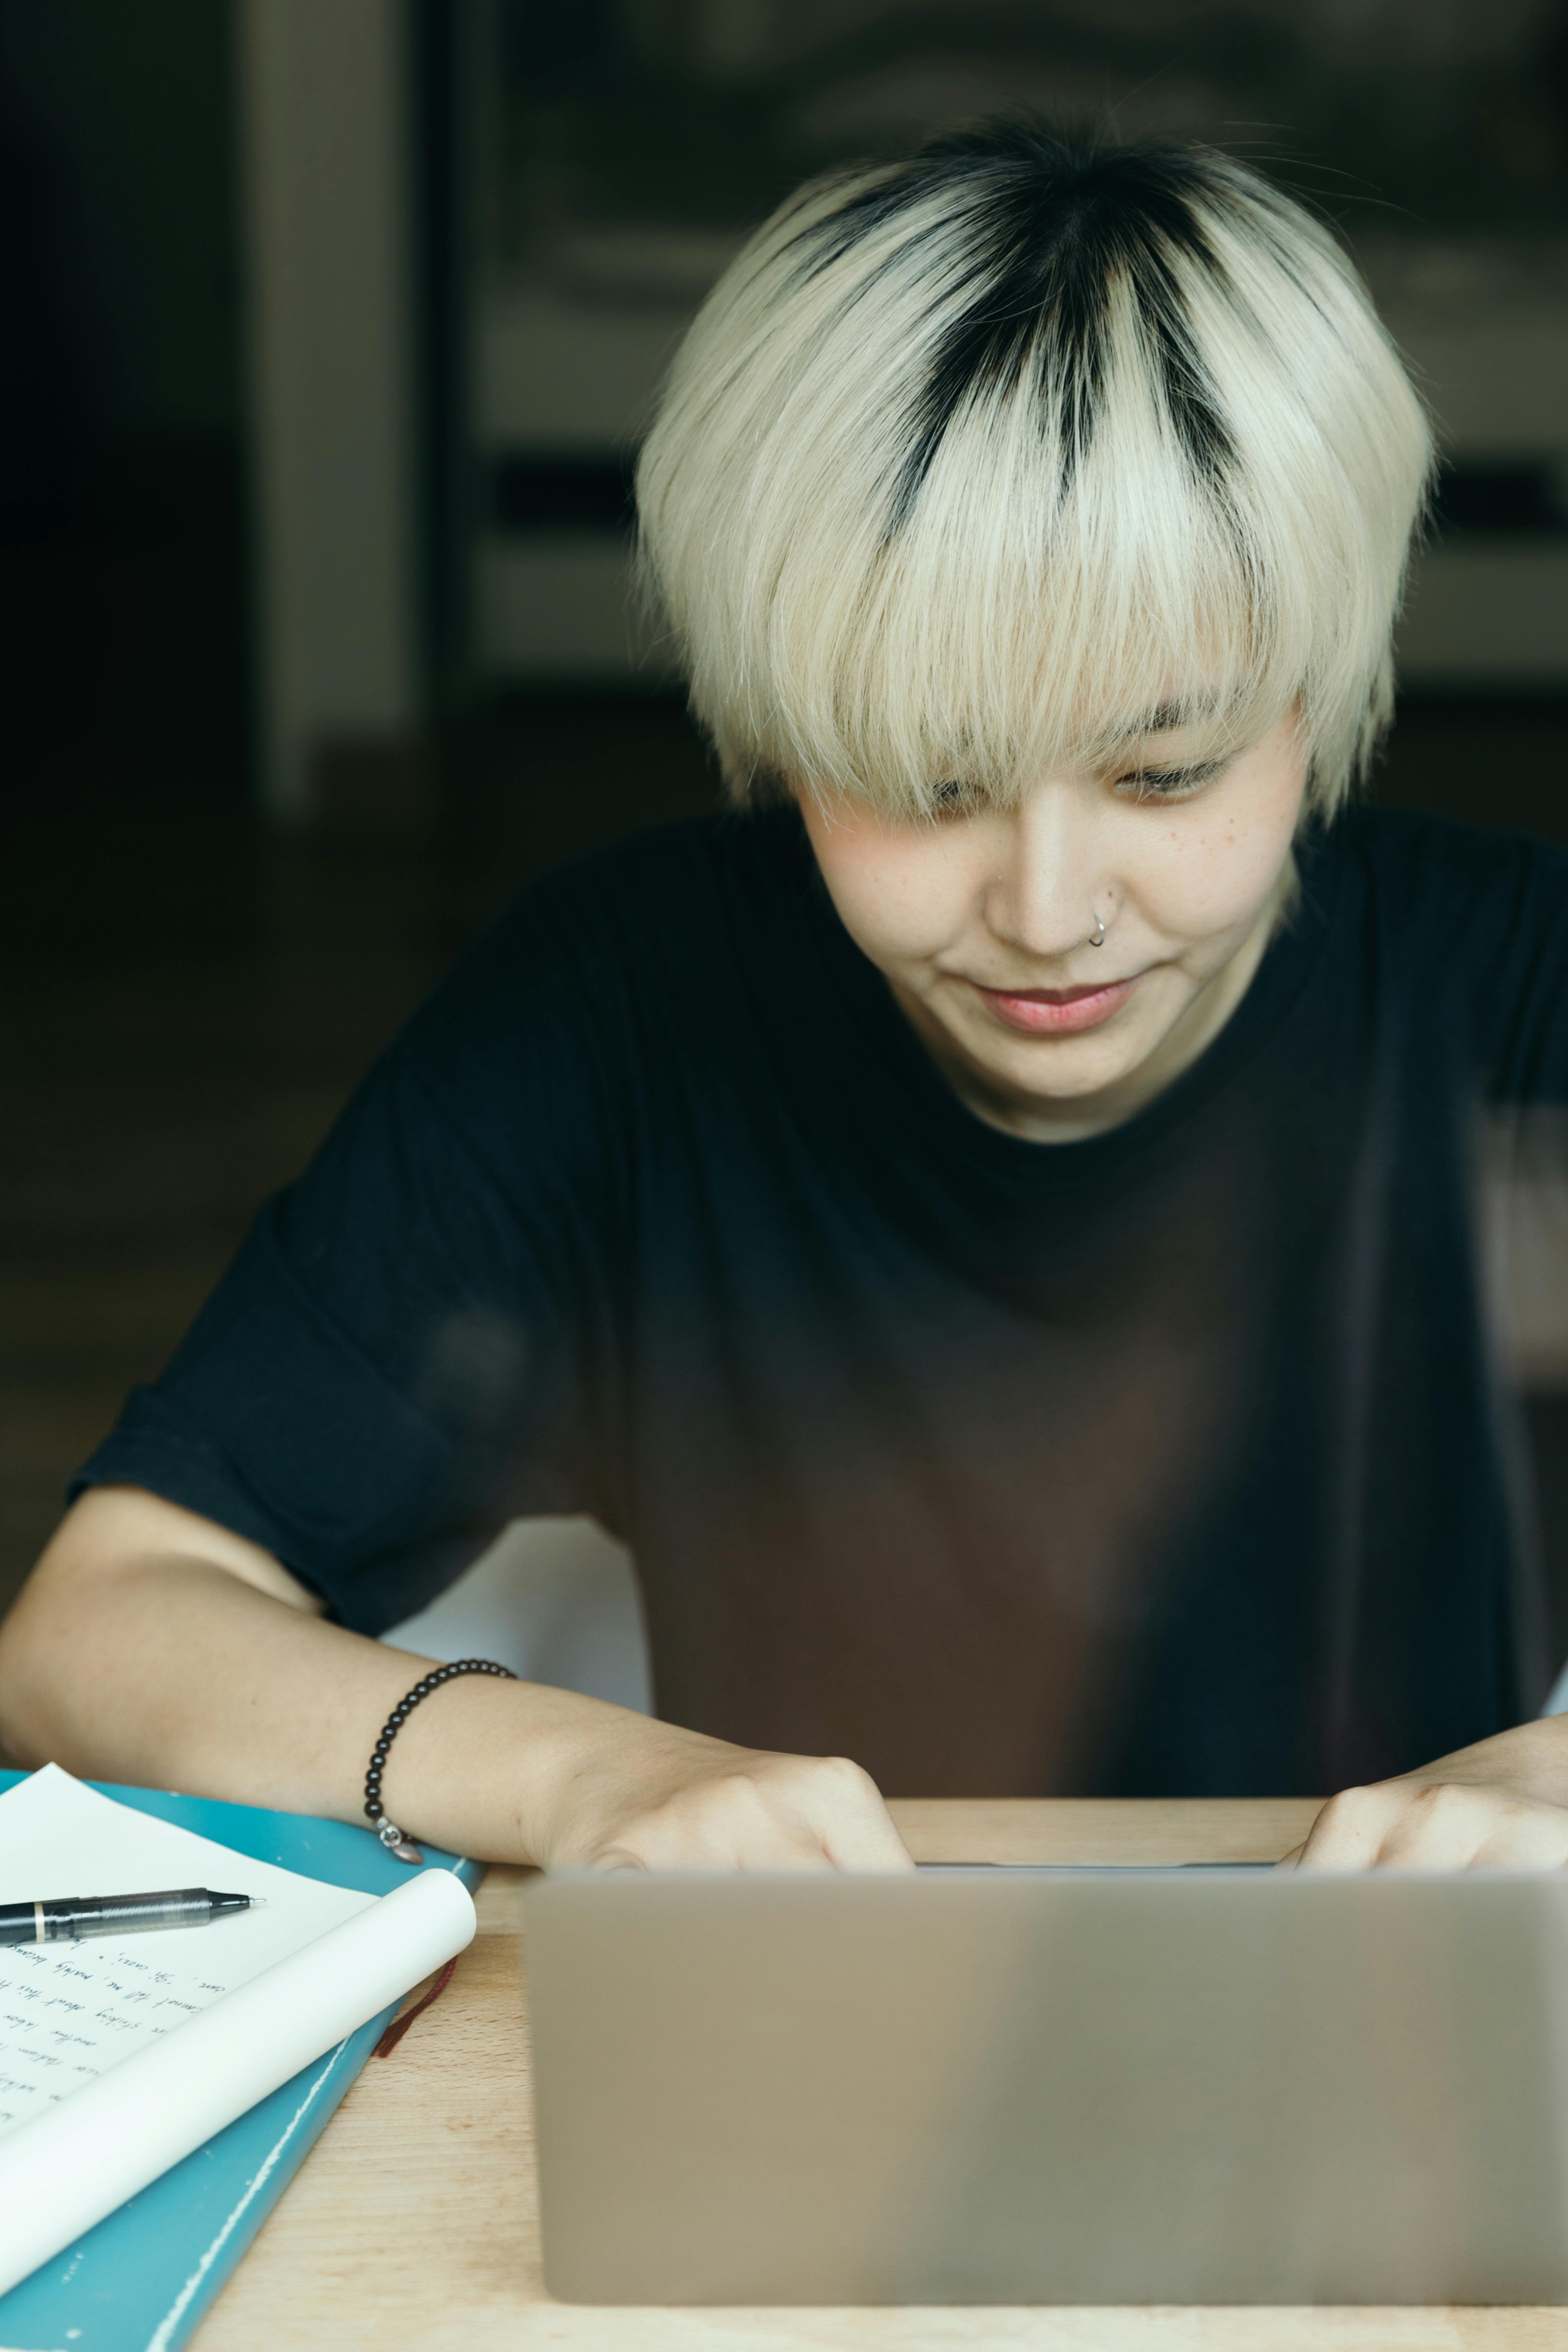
948	798
1169	784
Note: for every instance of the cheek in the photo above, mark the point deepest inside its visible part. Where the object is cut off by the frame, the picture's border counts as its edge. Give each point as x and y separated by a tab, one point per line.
900	900
1215	876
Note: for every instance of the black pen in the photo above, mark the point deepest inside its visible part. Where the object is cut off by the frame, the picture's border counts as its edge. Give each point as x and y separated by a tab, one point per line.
68	1917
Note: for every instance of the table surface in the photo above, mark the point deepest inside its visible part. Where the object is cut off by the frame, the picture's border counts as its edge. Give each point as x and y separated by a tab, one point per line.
414	2224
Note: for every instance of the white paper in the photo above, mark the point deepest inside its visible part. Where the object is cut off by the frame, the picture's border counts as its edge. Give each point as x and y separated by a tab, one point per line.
70	2011
281	1999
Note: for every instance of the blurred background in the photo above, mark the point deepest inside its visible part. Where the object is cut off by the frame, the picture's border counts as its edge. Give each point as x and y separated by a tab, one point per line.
333	326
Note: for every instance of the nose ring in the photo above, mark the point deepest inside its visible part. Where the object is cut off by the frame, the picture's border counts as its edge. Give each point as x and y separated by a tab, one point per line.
1096	938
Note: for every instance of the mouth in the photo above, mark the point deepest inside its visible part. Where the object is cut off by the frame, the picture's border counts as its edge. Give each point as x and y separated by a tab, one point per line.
1055	1011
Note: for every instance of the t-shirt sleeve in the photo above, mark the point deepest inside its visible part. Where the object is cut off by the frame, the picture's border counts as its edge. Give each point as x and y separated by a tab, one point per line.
415	1341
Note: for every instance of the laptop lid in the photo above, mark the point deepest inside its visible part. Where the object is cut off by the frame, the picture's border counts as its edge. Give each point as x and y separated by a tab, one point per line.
1050	2087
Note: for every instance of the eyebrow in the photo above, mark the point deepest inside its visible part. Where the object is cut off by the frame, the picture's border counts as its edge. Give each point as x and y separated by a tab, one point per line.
1162	720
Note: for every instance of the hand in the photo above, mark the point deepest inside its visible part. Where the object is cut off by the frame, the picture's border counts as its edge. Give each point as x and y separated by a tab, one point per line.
1501	1805
641	1795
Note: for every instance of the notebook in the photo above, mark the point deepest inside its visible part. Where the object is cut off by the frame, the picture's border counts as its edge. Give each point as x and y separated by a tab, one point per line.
141	2279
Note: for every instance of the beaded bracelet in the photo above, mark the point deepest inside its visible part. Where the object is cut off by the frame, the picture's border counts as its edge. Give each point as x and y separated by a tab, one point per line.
389	1833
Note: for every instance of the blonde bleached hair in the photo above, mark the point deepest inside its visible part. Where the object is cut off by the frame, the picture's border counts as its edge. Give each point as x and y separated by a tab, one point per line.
970	463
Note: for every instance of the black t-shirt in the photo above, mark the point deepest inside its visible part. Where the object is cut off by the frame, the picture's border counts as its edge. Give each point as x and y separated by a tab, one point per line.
1172	1461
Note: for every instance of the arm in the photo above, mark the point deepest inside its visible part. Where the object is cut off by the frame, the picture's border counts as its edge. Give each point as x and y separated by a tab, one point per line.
152	1646
1500	1805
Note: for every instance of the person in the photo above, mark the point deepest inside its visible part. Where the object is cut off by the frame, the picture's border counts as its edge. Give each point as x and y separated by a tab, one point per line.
990	1218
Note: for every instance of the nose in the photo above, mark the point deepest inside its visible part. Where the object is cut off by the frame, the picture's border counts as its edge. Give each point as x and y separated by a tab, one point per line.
1046	888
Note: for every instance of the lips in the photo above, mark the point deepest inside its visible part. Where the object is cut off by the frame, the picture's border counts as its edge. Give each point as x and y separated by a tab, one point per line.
1055	1011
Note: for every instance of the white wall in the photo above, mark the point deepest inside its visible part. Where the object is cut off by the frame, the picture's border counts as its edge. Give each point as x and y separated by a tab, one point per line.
327	203
556	1600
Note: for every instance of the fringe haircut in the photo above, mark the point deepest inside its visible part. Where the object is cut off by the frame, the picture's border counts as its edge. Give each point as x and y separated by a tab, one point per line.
969	462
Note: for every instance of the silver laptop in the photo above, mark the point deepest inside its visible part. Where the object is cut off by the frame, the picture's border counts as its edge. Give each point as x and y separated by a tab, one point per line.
1051	2086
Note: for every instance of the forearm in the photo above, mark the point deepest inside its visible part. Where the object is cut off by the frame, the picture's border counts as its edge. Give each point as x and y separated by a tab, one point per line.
157	1647
173	1673
1531	1760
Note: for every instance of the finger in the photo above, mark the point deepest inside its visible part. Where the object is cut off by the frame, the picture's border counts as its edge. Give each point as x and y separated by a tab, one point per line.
618	1857
663	1851
1434	1828
853	1823
1289	1861
1348	1835
723	1825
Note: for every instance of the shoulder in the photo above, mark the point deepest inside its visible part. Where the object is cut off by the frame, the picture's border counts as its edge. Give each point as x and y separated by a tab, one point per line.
599	957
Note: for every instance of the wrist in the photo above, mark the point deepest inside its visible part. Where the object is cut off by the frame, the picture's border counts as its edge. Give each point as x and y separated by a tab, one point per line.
579	1757
392	1836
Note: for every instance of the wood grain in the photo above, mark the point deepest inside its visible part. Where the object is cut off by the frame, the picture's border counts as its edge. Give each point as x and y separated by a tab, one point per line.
414	2225
1092	1829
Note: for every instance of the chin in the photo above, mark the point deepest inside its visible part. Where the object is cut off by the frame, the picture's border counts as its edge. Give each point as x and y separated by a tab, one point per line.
1056	1072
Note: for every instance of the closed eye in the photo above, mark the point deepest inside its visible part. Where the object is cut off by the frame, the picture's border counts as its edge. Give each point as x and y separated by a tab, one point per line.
1169	784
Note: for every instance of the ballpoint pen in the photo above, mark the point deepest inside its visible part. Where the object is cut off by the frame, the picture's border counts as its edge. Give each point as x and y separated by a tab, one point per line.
65	1917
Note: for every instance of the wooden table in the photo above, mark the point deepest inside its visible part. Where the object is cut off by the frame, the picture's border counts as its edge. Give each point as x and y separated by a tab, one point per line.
414	2225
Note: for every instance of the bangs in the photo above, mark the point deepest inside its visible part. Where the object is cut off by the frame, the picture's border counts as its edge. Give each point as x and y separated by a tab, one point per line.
970	466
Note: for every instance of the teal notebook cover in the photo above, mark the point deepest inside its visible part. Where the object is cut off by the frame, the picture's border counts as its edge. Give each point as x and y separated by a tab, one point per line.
142	2280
